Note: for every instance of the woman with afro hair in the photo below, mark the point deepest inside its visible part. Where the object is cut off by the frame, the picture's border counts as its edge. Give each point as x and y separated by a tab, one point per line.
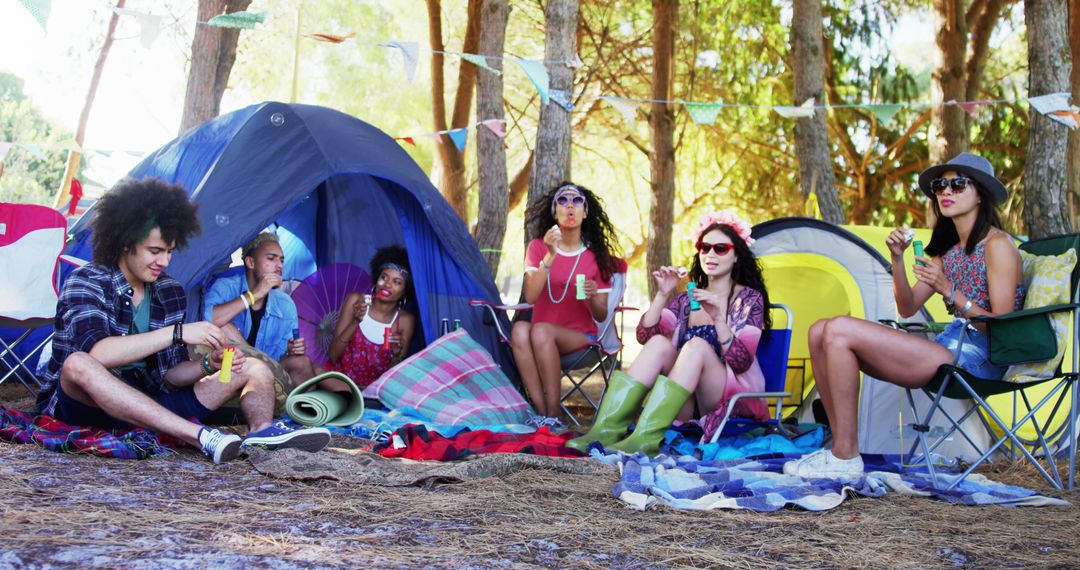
373	330
571	238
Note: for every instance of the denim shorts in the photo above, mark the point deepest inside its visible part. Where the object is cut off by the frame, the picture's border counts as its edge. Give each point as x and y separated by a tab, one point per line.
975	354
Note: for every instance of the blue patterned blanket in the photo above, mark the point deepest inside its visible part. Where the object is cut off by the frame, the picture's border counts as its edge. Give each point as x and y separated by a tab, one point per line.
759	484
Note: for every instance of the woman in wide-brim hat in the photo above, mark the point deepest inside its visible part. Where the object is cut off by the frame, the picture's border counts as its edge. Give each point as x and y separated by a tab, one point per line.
970	261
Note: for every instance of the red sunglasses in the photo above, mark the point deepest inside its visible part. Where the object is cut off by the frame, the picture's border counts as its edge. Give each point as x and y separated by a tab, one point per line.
720	248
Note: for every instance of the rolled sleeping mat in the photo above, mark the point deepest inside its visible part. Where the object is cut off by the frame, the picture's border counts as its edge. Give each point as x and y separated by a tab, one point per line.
325	407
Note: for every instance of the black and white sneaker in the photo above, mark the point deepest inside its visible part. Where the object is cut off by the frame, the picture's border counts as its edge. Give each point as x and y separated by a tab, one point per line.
218	445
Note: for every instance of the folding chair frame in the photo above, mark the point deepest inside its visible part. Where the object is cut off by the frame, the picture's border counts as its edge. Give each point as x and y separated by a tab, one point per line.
777	395
22	368
950	380
592	357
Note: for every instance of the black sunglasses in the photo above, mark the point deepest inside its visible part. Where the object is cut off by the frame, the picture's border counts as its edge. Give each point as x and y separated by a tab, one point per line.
563	200
720	248
958	184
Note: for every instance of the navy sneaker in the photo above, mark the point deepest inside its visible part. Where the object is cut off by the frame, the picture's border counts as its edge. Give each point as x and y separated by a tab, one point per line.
277	436
218	445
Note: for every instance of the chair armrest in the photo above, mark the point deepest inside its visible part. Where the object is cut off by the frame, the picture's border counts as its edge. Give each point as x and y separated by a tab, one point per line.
1023	314
498	307
931	327
494	309
1022	336
624	308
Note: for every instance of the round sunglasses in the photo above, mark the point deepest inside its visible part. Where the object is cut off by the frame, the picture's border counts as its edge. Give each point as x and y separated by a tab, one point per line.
565	200
720	248
958	184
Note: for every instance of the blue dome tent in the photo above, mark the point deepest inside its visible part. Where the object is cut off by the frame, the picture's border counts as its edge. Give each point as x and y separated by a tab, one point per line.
335	189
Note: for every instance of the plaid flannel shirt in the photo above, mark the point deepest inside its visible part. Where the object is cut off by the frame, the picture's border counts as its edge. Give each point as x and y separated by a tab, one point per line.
94	304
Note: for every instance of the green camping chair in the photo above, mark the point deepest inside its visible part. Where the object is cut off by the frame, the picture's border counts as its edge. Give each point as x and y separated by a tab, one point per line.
1025	337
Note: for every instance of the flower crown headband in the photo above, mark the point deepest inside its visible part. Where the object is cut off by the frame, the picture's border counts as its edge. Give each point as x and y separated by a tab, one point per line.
725	218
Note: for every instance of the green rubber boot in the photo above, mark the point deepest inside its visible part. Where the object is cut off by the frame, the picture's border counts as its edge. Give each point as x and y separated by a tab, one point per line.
664	403
621	401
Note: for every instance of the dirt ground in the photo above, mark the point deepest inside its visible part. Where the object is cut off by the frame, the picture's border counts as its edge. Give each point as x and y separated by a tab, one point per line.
68	511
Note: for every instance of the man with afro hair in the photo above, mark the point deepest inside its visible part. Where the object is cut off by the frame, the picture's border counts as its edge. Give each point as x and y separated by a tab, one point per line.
120	355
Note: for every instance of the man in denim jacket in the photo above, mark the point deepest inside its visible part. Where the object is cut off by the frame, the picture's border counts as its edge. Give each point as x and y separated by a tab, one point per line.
251	306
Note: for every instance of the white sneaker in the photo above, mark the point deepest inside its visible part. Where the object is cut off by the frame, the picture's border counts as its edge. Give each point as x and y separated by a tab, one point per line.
822	464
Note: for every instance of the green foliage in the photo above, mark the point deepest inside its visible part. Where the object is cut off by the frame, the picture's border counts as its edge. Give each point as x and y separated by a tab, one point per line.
29	175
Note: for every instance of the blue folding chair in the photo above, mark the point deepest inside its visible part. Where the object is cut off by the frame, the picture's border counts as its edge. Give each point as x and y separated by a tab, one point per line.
772	356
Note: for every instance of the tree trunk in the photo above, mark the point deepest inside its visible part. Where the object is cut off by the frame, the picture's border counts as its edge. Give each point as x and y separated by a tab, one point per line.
491	154
1045	208
75	156
213	53
1074	136
451	160
662	130
948	126
812	133
552	162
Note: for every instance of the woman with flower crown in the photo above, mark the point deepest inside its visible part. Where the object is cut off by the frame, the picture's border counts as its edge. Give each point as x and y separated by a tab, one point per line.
571	236
701	343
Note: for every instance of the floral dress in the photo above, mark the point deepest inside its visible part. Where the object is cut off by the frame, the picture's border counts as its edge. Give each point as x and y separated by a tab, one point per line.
364	359
746	316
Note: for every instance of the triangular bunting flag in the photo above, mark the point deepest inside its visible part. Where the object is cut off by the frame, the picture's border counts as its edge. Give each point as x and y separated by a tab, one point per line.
331	38
39	9
410	52
437	137
537	74
479	61
459	137
703	113
34	149
76	195
576	62
408	140
886	112
562	99
1056	108
4	148
149	25
497	126
804	110
972	107
240	20
625	107
1070	118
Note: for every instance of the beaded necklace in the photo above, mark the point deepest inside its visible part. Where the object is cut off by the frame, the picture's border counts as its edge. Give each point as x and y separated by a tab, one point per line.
566	288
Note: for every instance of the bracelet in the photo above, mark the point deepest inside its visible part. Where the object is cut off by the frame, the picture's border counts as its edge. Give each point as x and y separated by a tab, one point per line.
206	364
251	297
545	265
963	310
243	298
728	342
178	333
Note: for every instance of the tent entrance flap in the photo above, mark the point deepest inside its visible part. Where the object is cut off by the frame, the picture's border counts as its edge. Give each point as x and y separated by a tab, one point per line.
790	278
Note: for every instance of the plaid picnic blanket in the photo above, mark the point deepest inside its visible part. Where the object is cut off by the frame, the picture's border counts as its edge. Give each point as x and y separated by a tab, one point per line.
416	442
759	484
52	434
453	381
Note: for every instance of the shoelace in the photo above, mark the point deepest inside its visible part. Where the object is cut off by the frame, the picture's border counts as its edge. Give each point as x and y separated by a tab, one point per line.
212	441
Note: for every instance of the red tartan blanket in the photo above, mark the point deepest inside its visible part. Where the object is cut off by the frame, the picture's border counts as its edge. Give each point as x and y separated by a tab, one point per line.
52	434
423	444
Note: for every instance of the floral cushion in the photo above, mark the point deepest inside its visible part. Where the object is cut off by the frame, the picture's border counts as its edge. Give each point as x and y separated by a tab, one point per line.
1046	280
